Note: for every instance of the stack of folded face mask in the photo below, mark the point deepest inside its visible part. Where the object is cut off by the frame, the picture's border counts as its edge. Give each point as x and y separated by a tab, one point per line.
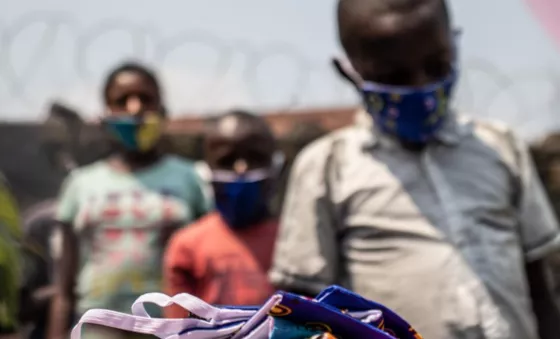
334	313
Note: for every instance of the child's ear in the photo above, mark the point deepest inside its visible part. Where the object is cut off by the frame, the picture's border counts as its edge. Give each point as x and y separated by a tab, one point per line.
163	111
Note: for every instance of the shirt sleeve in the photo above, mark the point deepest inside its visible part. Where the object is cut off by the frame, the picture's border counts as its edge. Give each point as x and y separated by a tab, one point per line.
178	268
540	235
67	203
306	252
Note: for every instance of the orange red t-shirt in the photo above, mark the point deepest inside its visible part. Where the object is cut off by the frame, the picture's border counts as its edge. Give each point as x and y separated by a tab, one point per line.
218	264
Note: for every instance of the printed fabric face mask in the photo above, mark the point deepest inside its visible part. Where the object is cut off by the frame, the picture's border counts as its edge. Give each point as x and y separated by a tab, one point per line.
242	199
205	321
335	313
412	114
137	133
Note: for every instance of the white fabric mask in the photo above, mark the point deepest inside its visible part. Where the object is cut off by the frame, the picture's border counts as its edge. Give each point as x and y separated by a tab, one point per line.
216	323
211	322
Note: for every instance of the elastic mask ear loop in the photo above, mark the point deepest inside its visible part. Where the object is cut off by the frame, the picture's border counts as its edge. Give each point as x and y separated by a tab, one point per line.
186	301
260	317
347	72
159	327
456	35
278	161
191	304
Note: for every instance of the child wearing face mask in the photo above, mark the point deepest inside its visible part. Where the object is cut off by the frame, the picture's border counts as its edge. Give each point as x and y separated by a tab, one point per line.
417	205
116	215
224	257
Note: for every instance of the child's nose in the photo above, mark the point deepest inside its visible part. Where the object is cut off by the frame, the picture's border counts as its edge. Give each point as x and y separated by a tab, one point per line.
240	166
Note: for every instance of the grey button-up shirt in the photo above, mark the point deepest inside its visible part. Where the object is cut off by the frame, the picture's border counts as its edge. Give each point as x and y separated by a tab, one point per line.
440	236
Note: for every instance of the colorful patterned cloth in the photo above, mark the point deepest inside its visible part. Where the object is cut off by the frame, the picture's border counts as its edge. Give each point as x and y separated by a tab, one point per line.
339	312
334	313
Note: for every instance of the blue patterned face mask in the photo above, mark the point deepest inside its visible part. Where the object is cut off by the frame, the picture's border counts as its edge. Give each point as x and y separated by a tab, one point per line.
413	114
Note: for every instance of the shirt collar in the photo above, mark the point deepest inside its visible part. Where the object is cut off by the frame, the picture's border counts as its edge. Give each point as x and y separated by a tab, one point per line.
452	132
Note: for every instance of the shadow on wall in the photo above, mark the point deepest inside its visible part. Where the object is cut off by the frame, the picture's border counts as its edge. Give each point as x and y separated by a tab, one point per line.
25	164
35	158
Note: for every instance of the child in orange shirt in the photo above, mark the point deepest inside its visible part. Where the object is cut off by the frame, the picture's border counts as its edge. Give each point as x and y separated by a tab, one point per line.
224	257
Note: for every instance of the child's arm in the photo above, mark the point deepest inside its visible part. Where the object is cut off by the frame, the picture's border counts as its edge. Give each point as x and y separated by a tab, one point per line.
178	275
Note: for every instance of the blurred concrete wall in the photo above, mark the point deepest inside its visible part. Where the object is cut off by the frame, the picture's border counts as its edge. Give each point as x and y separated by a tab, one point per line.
32	156
36	157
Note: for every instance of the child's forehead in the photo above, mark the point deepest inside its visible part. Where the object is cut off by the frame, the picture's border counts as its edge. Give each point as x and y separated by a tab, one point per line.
236	129
402	26
368	20
396	44
232	132
228	126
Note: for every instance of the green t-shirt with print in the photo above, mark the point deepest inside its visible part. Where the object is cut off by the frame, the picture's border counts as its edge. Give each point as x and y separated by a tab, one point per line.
122	221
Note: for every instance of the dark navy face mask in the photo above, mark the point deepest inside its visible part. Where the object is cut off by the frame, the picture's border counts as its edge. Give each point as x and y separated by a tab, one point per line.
412	114
242	199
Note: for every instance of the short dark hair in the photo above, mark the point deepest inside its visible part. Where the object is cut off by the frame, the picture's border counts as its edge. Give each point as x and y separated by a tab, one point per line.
349	10
245	117
130	66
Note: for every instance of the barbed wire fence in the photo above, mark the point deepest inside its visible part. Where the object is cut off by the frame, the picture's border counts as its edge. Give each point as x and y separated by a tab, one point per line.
505	96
